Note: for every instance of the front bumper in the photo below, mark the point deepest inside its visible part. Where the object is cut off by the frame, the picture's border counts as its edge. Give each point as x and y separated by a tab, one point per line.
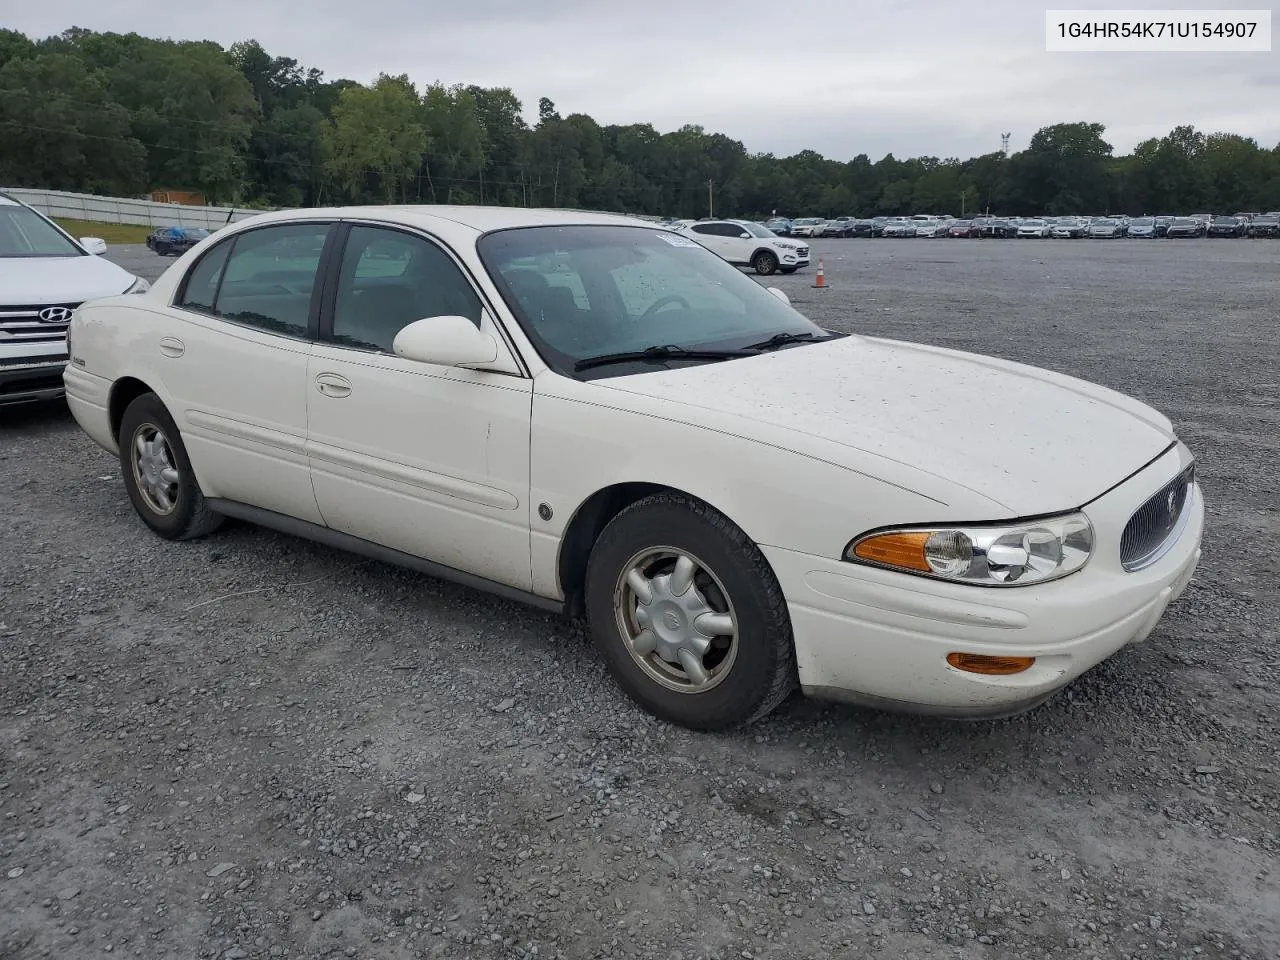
31	382
876	637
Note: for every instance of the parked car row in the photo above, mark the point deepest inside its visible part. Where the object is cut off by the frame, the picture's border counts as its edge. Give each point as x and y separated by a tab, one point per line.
1061	228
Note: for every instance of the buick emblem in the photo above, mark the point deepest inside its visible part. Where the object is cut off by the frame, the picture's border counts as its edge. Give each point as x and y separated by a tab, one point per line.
672	620
55	315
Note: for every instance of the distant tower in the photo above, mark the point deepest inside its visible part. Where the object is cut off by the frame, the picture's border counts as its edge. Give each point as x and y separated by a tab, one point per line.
1004	143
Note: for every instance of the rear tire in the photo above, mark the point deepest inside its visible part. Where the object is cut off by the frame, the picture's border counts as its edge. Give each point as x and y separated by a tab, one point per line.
718	651
158	475
765	263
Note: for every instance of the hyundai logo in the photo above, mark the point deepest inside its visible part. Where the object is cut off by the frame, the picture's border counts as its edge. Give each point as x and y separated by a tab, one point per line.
55	315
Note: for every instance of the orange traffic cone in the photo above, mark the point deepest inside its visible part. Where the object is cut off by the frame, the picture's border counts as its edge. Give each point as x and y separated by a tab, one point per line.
820	282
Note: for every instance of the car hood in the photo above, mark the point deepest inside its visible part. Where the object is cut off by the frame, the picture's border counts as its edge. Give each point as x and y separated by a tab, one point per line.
36	280
1027	440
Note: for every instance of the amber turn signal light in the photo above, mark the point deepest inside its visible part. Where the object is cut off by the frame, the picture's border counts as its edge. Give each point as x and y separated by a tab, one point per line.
902	550
991	666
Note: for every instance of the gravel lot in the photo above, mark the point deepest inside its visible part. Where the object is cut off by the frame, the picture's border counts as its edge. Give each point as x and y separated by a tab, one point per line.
250	746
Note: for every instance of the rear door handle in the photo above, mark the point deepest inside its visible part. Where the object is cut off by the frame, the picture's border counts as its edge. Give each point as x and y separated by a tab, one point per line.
332	385
172	347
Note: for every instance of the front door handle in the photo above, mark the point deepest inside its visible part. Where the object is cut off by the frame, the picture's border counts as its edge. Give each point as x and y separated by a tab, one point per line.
172	347
332	385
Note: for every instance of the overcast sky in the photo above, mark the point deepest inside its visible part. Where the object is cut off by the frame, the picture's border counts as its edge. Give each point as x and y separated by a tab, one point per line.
911	77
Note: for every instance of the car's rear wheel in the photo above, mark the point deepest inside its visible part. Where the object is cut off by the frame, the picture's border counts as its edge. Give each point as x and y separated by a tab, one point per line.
158	475
765	263
688	614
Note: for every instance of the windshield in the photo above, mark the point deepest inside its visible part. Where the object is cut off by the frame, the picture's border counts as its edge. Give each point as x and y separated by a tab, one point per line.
1142	222
1033	223
1182	222
585	291
758	231
24	233
809	221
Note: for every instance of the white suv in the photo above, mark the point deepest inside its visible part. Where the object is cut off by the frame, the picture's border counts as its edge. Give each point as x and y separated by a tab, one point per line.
44	276
747	244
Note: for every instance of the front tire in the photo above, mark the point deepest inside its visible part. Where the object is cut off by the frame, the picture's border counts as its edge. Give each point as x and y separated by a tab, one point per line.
688	615
158	475
765	263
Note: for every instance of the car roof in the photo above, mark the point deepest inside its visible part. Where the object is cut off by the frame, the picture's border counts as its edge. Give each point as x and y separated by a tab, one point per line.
480	219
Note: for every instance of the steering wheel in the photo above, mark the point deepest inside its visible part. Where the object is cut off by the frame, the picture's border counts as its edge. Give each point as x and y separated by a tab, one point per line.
663	302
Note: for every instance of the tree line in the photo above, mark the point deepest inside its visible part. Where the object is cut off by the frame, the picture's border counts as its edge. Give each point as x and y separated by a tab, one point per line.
123	114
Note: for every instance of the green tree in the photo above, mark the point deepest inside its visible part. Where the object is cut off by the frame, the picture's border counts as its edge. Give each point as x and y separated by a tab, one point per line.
1063	170
194	112
377	138
458	144
60	130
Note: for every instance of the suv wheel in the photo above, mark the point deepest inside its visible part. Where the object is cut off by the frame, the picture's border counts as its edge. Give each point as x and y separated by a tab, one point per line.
765	263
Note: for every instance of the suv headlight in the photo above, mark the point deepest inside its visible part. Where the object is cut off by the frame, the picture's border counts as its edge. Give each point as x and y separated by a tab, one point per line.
1006	555
138	286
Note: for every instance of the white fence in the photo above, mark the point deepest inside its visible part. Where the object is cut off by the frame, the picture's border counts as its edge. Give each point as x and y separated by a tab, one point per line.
84	206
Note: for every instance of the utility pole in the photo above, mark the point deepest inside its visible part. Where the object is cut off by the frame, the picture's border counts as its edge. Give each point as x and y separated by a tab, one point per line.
711	200
963	193
1004	143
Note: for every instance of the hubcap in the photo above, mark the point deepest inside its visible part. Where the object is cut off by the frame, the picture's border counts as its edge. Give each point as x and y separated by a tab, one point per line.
154	470
676	619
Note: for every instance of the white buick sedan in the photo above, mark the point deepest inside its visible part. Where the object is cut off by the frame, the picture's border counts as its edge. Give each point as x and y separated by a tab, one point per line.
604	418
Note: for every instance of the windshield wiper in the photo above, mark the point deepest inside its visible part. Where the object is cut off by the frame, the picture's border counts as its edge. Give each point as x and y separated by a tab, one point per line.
669	352
786	339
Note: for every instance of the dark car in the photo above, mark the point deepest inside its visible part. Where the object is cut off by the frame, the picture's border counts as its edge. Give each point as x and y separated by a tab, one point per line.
1162	225
1227	227
999	229
779	225
864	228
1185	228
963	228
1265	225
175	241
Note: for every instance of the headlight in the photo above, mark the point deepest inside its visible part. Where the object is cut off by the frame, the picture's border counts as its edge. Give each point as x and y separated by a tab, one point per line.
1009	555
138	286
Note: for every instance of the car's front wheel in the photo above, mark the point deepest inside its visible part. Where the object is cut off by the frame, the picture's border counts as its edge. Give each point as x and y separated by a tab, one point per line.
158	475
688	614
765	263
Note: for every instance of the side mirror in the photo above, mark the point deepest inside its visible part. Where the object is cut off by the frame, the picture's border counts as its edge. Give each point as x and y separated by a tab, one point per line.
449	341
780	294
94	245
744	235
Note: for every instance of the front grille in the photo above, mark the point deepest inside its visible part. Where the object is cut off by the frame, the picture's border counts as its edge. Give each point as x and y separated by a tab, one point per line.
21	323
803	252
1154	527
